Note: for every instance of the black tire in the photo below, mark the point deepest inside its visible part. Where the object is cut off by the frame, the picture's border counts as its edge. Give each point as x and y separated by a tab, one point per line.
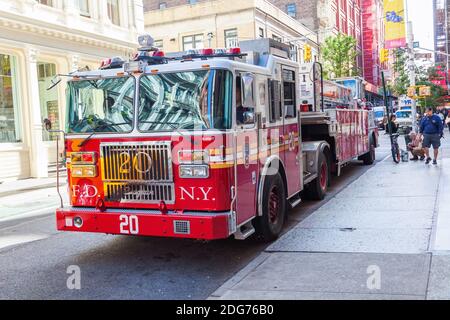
369	158
270	224
317	189
396	156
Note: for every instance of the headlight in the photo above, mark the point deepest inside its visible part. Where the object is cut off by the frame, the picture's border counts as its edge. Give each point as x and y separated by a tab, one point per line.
192	156
83	158
194	172
84	171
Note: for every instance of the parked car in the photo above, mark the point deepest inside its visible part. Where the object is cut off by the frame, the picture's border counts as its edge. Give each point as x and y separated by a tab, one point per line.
404	118
380	114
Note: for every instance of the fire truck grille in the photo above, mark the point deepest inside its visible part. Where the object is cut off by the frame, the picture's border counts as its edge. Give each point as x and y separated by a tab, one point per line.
139	193
137	162
137	172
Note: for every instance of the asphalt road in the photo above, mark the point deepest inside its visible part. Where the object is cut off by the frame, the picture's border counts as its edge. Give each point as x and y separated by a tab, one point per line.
120	267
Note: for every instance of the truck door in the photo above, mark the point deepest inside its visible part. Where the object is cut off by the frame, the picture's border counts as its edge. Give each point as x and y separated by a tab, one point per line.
291	131
246	148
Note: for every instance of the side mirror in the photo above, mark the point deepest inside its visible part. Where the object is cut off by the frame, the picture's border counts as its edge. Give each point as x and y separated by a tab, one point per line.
55	81
47	124
249	117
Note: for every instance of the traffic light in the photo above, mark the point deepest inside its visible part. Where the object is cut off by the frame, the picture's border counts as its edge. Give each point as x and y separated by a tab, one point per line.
425	91
384	55
307	53
412	92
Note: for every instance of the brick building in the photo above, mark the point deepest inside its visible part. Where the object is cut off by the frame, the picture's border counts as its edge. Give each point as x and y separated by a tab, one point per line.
373	42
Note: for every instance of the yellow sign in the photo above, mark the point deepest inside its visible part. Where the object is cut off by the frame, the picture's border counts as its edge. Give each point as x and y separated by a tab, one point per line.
425	91
395	32
384	55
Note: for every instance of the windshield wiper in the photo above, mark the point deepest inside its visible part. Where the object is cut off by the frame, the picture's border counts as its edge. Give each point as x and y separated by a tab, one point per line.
88	138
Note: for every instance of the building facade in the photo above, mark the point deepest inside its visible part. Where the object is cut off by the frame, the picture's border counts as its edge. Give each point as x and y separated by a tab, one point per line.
42	38
441	31
373	40
217	24
322	17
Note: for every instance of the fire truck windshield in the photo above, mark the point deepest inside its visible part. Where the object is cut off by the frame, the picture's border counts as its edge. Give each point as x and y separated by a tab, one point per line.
194	100
101	105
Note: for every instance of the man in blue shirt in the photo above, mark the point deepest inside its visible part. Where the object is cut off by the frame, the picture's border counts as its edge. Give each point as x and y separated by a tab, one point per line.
432	129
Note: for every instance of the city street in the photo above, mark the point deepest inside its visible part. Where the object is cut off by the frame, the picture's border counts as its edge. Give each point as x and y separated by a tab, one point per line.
386	236
35	257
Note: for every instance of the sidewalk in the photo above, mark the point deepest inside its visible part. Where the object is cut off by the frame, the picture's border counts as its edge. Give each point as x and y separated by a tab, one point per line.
392	223
29	197
12	187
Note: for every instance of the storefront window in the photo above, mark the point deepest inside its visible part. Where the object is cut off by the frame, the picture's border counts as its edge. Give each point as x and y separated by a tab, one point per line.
113	11
8	103
48	98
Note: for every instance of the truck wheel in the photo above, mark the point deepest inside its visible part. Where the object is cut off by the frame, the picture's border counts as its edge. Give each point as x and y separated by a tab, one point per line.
369	157
317	189
270	224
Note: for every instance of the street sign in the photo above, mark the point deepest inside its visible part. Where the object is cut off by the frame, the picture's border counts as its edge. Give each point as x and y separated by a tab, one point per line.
405	103
416	45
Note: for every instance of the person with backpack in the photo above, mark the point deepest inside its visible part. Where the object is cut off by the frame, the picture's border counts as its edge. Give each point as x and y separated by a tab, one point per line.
432	129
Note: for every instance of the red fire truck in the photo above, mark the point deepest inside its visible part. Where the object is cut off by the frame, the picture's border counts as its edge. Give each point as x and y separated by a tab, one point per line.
203	145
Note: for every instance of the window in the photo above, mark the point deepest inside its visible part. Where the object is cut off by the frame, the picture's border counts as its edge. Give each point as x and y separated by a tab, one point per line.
261	33
200	100
113	11
48	99
83	7
231	38
162	5
245	100
101	105
46	2
289	94
193	42
291	10
294	52
158	44
275	111
277	38
9	115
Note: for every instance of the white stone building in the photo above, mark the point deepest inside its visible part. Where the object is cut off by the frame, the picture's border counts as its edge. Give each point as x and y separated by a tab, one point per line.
41	38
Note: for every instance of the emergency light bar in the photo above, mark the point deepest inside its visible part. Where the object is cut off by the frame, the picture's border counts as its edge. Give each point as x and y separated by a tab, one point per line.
112	63
204	54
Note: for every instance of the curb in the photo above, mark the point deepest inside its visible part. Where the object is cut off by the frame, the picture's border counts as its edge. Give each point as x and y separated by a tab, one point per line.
21	190
25	215
238	277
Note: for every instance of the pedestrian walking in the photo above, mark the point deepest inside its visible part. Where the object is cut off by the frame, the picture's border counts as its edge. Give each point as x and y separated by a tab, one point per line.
443	113
432	129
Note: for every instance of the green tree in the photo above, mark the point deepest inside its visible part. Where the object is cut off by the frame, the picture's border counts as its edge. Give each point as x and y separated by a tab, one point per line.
401	83
339	57
438	93
436	99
